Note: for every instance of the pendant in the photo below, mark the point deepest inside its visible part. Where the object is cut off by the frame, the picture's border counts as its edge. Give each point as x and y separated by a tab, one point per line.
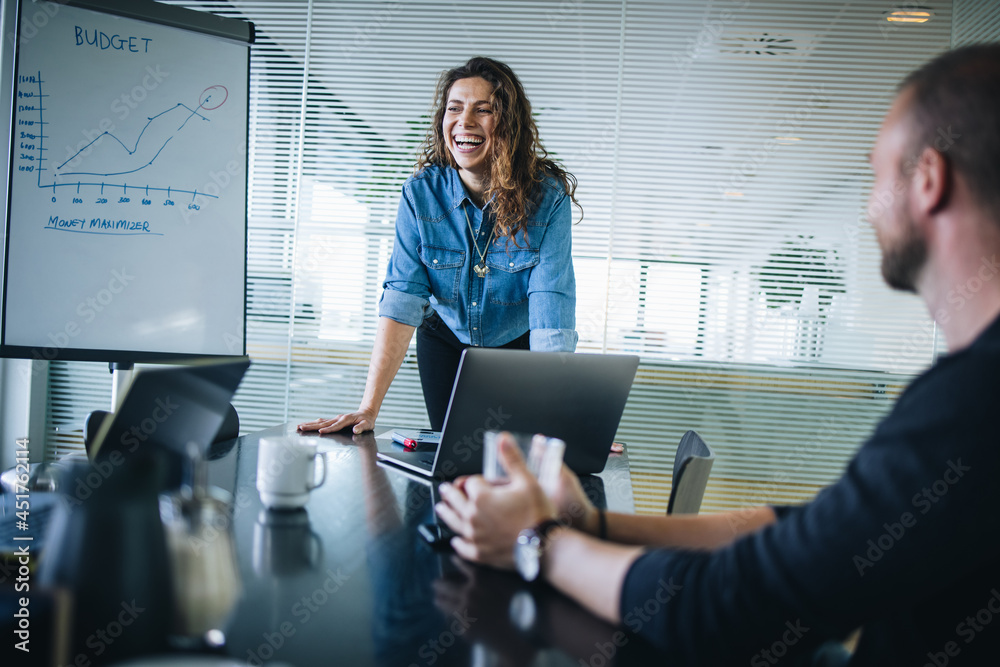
481	270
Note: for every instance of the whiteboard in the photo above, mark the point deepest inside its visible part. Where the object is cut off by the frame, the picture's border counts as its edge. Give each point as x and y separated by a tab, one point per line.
126	236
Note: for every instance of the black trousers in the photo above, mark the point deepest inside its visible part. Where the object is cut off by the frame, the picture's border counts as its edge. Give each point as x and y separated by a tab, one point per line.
438	354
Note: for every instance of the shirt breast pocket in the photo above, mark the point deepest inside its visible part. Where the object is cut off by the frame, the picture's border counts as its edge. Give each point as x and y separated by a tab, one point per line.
507	281
443	269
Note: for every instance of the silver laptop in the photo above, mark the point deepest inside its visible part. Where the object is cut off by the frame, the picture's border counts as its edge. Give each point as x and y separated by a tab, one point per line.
578	398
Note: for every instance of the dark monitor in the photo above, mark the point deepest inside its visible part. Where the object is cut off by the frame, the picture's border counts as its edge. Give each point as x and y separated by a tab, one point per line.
171	407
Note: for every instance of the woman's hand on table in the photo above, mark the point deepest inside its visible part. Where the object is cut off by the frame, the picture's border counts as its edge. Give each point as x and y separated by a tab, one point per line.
361	421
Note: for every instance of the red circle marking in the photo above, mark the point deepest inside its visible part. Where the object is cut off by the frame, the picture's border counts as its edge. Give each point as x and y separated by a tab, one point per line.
213	97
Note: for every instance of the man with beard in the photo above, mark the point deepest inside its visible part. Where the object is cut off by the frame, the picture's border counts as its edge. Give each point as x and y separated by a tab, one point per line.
906	545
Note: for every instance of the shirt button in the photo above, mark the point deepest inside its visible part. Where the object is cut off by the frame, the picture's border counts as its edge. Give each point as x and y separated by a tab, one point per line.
434	261
475	328
511	264
473	303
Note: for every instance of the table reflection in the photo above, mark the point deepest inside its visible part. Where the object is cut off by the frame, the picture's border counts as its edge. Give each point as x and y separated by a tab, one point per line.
349	580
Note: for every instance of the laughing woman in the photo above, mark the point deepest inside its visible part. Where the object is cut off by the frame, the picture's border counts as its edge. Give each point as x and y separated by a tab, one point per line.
482	256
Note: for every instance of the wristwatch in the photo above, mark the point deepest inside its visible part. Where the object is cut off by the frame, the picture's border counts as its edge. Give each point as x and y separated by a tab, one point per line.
531	543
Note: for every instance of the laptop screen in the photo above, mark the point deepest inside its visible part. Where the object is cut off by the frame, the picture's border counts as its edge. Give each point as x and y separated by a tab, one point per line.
578	398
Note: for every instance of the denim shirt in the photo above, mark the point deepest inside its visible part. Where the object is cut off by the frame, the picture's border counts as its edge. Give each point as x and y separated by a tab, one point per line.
527	288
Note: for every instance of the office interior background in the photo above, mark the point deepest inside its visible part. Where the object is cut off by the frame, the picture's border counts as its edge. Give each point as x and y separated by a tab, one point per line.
720	148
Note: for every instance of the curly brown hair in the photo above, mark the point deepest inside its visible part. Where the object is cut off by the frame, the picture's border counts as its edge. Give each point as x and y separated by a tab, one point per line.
518	161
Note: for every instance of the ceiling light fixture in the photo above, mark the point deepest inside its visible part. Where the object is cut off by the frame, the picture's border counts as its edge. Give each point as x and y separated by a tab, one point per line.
909	16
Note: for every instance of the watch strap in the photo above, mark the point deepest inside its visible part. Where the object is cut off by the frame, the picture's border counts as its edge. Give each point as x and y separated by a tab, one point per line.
533	541
543	528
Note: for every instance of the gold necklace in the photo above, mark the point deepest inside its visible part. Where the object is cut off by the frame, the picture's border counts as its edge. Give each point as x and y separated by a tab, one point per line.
481	269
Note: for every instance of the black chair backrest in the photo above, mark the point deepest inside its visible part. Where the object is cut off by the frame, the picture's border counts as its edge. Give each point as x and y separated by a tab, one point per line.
691	450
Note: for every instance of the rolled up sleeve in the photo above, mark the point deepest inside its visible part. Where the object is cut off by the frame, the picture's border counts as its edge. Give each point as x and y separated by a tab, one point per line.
406	290
552	285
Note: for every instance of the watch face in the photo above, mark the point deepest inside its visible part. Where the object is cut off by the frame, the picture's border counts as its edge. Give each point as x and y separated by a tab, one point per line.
527	557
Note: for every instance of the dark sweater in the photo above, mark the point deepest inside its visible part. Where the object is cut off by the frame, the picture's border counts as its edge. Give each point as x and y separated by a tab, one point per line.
905	545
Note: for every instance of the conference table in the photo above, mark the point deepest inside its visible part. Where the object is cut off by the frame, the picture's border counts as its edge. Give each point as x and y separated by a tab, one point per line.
349	581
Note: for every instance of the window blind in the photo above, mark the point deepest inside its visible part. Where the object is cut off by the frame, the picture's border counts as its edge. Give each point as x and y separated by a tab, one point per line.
720	149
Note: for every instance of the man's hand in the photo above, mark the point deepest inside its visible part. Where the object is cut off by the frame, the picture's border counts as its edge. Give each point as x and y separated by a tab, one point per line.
488	517
573	507
362	420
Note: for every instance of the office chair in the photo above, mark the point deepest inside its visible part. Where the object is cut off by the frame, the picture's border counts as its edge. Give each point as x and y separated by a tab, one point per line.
692	464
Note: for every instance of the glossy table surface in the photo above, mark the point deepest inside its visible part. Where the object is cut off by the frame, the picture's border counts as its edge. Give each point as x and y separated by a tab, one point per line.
348	580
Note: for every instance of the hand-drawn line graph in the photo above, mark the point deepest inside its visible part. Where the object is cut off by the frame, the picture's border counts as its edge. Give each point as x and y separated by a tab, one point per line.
108	155
134	149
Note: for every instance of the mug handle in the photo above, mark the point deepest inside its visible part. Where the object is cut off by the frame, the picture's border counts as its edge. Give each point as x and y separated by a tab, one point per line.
317	543
319	457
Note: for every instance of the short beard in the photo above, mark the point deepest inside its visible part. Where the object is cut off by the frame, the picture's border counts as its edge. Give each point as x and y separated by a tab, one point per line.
902	264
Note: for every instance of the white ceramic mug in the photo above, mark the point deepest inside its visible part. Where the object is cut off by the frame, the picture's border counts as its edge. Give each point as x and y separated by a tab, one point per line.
286	470
284	544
